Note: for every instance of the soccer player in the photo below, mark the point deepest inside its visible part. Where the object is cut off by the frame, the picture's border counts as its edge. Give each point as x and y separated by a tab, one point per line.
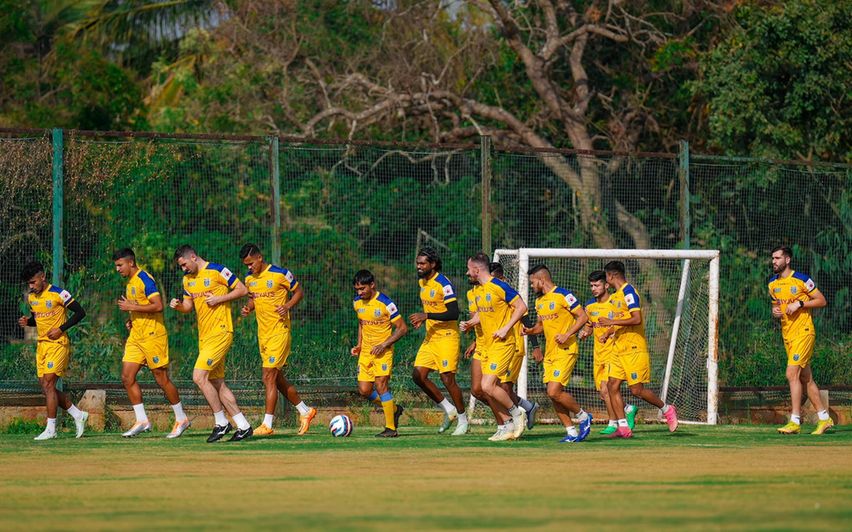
596	308
509	381
209	288
49	306
793	295
269	288
376	314
560	317
147	344
440	349
498	309
632	362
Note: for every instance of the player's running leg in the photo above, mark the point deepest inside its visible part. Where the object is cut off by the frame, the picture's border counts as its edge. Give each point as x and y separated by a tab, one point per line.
161	375
229	402
453	388
269	376
614	388
669	412
526	405
306	413
420	376
613	419
508	415
795	382
55	399
129	370
825	422
565	404
388	407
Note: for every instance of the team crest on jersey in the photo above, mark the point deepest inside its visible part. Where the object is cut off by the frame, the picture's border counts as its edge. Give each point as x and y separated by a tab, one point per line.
207	283
488	297
209	361
556	373
271	360
493	366
552	305
777	289
48	303
445	363
269	283
793	289
377	313
610	314
384	367
431	293
634	376
796	358
156	360
50	365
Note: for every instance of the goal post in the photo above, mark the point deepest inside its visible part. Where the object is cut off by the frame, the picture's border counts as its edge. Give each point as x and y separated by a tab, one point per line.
679	290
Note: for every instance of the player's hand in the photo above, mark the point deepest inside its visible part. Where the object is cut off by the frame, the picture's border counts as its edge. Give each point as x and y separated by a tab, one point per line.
501	333
562	338
282	311
776	311
212	301
125	304
584	333
470	350
55	333
538	356
464	326
245	311
604	337
23	320
791	310
379	349
606	321
526	331
128	324
355	351
174	303
417	319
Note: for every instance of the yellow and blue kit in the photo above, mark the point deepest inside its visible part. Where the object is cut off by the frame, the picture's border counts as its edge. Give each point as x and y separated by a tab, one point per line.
148	342
554	309
494	300
440	349
215	324
375	317
269	290
49	310
797	330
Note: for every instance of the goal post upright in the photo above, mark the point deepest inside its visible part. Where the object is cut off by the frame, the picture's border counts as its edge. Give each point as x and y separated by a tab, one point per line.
713	342
681	295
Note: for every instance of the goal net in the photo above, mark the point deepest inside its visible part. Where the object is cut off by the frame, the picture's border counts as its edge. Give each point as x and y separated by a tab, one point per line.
679	292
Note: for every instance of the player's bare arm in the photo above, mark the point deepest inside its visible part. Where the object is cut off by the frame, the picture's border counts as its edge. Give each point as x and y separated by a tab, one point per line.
519	308
355	351
298	295
817	300
248	308
239	290
469	324
155	305
400	329
538	328
580	320
181	305
634	319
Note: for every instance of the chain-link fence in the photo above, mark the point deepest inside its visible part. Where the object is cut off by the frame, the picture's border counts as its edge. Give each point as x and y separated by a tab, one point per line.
346	206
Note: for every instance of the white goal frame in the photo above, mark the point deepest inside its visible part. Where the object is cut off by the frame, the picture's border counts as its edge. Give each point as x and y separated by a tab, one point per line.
686	255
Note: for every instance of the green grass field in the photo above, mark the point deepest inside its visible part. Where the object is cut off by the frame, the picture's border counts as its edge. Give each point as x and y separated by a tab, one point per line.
740	477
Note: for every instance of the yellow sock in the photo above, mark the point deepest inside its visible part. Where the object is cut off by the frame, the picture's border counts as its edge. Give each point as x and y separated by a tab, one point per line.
389	409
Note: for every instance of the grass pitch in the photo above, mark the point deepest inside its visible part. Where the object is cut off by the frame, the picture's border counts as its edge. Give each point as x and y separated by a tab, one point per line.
700	477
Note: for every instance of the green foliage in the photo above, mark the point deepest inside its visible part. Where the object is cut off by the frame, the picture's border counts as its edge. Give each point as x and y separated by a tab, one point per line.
23	426
778	85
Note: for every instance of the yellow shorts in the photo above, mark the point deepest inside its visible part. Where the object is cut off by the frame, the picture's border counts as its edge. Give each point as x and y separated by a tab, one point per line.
600	364
211	354
275	350
439	352
633	368
52	357
800	350
153	351
371	366
559	368
497	357
514	370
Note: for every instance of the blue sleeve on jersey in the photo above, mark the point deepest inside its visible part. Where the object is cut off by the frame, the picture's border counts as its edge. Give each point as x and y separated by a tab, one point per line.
148	282
449	291
565	293
220	268
509	293
630	291
286	273
59	290
806	279
390	305
591	302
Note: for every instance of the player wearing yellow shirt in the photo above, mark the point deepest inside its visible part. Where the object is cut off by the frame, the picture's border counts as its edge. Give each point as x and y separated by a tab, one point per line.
49	306
440	349
560	317
597	308
209	288
632	362
793	295
147	344
498	309
269	289
379	327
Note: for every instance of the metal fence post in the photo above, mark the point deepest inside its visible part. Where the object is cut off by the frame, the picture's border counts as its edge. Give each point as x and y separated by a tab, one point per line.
58	200
275	174
683	177
485	162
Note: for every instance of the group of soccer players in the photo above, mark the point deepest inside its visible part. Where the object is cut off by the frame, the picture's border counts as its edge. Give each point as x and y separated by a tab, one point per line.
498	316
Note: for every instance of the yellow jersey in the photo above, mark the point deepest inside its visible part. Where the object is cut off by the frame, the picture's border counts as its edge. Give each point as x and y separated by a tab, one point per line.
49	310
140	288
375	317
435	293
596	311
554	310
628	338
270	289
785	290
493	305
471	307
212	280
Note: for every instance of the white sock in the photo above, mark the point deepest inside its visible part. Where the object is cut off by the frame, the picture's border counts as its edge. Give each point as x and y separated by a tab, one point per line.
220	418
525	404
515	411
180	415
622	423
631	408
572	430
796	418
613	423
268	419
51	424
75	412
241	421
139	410
582	415
302	408
446	406
823	415
463	418
664	409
